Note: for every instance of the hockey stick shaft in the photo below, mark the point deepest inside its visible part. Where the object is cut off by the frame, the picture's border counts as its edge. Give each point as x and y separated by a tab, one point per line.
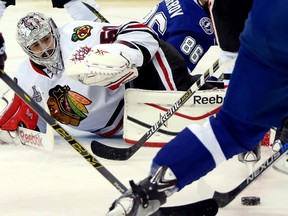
97	13
123	154
62	132
224	199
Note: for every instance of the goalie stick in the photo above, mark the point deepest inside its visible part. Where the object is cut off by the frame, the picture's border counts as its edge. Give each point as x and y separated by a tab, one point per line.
225	198
114	153
202	206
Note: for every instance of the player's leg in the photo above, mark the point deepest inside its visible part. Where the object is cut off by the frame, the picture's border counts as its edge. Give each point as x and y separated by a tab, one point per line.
256	100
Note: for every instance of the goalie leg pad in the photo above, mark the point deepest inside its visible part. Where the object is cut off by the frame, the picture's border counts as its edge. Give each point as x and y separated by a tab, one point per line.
145	107
100	66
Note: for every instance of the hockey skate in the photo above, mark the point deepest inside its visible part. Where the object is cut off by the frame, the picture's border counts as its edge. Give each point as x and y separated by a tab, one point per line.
281	165
281	138
250	158
146	197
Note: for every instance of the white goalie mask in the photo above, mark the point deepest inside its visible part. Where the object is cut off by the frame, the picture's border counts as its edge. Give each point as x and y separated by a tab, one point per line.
33	29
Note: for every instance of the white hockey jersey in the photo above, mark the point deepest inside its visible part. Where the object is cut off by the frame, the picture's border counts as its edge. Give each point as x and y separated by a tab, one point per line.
92	108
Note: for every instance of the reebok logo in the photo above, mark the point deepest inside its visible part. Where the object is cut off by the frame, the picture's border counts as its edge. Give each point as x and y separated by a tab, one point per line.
30	138
197	99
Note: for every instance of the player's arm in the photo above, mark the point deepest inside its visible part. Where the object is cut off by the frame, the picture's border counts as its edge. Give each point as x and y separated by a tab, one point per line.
77	9
114	61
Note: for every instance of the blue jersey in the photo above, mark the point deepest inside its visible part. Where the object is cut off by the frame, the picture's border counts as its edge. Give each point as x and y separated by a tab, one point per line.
185	25
256	99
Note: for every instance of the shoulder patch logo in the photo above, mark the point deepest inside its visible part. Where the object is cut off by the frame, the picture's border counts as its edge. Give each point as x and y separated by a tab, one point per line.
81	33
206	25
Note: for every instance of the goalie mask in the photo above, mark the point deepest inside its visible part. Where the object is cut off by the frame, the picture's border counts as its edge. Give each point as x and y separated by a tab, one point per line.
38	36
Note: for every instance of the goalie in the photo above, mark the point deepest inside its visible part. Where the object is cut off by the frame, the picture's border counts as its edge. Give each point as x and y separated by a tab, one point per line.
84	67
15	116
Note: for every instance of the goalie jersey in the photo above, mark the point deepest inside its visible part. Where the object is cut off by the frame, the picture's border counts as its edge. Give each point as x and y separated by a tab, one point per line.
184	24
92	108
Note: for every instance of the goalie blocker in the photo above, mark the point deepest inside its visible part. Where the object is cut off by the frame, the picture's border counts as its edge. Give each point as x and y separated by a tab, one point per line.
18	124
14	113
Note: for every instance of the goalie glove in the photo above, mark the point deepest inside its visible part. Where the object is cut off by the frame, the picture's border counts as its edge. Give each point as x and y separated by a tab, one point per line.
13	113
103	65
146	197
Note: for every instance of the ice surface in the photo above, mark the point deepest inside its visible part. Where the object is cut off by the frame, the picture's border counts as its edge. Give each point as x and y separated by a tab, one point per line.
62	183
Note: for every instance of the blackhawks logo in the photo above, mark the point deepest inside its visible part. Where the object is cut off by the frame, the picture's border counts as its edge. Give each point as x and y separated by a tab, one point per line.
66	106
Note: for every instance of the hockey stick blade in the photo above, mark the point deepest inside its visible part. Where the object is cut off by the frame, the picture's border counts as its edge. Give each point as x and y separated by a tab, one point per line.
62	132
114	153
225	198
206	207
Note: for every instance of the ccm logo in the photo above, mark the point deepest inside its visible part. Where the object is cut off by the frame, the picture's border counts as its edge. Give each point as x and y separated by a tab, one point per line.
208	100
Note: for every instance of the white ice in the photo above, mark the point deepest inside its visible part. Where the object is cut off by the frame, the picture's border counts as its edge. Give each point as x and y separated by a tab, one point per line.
63	183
